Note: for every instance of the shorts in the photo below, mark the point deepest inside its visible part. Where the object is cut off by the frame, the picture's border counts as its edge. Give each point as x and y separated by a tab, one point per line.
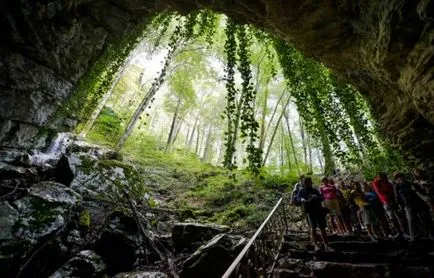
316	220
334	206
368	215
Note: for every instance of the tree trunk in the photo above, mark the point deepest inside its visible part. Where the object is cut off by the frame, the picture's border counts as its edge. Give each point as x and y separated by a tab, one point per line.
178	129
274	112
329	163
303	141
292	143
197	141
320	161
309	147
281	150
172	126
106	97
146	100
262	123
232	142
186	137
220	151
151	122
207	144
287	150
190	141
327	153
275	130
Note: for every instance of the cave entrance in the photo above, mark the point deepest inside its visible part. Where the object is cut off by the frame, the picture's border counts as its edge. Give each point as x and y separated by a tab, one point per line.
50	46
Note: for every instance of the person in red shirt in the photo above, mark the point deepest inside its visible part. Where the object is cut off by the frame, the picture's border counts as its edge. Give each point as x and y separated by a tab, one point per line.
386	194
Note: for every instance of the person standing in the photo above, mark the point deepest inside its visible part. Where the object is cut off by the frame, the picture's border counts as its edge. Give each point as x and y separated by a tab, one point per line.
297	187
386	194
414	206
311	200
424	188
367	212
331	200
377	206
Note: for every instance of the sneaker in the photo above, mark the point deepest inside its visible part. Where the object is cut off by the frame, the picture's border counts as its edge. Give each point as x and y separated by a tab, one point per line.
396	236
328	248
373	239
317	248
407	237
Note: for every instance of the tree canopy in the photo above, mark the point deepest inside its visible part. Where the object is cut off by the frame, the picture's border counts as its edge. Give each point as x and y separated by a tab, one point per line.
240	97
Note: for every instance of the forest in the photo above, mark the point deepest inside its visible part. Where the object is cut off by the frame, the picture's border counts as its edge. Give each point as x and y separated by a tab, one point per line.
234	96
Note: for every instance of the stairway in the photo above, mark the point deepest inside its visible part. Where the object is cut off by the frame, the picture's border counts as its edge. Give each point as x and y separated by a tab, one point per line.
354	257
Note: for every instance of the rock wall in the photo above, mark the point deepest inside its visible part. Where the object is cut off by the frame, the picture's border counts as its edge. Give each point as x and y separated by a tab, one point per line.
386	48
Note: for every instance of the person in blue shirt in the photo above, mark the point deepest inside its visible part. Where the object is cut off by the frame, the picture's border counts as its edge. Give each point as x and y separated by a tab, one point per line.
376	204
296	190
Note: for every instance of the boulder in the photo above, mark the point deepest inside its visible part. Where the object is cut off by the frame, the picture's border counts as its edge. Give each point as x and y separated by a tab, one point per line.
9	249
8	217
78	146
15	157
44	210
85	264
93	177
192	235
12	171
141	274
29	222
120	244
109	155
213	258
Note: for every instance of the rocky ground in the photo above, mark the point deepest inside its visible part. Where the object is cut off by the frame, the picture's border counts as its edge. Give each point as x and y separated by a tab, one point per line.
355	256
80	211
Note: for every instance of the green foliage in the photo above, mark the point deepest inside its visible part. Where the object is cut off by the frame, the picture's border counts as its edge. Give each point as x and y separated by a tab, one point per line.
231	104
99	78
84	219
249	125
108	124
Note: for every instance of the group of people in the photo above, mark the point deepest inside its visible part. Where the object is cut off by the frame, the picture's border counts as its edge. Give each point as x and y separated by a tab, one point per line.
399	208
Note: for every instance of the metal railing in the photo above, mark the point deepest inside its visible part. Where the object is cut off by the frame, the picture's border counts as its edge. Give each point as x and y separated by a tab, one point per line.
258	257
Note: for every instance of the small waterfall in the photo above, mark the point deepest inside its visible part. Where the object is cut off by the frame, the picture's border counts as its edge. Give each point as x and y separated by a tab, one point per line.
58	145
53	153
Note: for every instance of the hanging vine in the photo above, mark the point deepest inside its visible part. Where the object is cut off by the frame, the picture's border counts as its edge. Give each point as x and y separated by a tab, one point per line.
249	125
231	60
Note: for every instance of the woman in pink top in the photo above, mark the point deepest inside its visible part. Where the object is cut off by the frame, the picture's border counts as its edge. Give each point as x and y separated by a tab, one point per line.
330	195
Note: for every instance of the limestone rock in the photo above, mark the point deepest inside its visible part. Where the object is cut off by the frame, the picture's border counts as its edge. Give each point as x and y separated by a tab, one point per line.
82	147
44	210
187	235
141	274
93	176
8	217
213	258
14	157
8	170
86	264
